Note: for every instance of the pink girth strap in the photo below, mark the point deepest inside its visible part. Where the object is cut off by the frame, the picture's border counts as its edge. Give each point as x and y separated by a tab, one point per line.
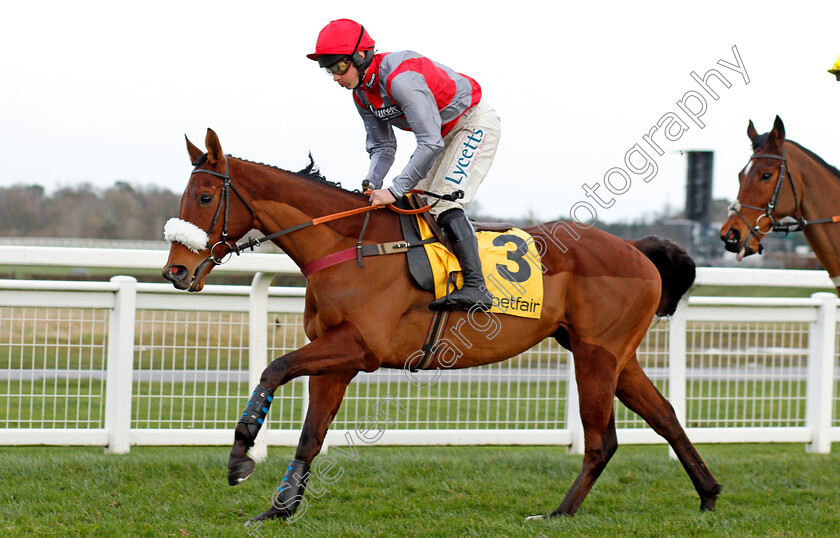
328	261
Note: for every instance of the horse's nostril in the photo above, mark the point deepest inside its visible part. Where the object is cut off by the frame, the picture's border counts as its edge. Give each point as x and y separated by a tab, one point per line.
733	236
175	272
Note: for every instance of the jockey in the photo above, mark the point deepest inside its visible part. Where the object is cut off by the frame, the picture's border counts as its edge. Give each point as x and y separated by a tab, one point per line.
457	134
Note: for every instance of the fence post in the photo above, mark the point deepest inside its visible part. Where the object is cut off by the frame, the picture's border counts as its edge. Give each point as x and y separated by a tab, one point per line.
677	359
118	389
821	348
258	348
573	411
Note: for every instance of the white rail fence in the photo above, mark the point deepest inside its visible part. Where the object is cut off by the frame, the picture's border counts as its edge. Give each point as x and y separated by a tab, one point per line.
122	363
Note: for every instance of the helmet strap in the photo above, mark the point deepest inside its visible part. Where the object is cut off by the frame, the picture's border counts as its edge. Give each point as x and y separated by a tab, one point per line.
361	63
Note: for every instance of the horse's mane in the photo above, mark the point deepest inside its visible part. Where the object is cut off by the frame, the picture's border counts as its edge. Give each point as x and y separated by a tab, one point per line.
762	139
311	171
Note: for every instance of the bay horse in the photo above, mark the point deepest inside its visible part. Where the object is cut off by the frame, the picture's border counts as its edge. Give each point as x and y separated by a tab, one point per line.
785	187
600	296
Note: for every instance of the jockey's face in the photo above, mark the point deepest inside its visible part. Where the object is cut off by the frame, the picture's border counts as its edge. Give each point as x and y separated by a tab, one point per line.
351	78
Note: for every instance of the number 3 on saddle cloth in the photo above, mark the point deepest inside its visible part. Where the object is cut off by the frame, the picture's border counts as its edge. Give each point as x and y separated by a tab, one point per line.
509	260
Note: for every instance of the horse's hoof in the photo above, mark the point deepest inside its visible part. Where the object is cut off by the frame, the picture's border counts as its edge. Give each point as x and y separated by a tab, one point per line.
271	513
708	505
239	469
536	517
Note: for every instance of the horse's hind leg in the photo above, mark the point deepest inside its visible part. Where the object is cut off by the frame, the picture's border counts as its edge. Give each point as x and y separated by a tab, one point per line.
636	391
595	373
325	396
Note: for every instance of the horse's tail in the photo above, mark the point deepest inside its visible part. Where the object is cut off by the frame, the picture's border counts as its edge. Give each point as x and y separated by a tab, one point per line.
675	266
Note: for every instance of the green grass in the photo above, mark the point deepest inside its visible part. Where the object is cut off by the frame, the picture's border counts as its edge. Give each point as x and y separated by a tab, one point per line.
769	490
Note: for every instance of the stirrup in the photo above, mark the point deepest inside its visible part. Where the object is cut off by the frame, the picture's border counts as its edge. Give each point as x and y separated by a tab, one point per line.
460	300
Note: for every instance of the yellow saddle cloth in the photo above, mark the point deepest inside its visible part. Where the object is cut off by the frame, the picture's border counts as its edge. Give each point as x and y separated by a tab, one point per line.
511	266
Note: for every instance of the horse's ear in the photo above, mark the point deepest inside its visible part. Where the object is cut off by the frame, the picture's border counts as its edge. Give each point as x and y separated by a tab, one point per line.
214	147
194	152
751	132
779	129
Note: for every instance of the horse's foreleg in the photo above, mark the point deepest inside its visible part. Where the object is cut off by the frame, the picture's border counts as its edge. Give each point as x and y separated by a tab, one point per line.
240	465
325	396
595	375
340	350
636	391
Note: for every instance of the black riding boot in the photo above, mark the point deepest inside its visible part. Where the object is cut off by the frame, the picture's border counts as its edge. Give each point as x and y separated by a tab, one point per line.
465	247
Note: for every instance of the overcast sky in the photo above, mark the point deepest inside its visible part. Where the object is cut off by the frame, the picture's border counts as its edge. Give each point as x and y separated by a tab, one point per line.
102	91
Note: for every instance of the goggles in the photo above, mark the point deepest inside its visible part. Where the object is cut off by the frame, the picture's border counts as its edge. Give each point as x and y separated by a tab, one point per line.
339	68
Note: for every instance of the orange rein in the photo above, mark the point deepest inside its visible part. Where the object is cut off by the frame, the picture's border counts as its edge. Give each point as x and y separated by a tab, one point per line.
356	252
359	210
252	243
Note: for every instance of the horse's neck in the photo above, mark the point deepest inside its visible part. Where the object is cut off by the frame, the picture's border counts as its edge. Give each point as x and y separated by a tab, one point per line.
825	241
820	200
282	199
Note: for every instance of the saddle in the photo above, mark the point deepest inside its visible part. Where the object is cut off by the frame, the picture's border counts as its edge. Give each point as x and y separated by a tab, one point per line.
418	261
509	259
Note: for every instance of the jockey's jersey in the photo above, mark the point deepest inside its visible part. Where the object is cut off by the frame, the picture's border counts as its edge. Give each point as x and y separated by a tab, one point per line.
411	92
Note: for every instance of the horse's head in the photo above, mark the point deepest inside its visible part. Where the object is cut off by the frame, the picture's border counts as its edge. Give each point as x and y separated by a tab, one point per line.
763	198
210	219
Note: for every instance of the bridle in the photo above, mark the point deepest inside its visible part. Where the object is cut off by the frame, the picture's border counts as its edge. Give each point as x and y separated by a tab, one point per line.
769	210
224	199
796	224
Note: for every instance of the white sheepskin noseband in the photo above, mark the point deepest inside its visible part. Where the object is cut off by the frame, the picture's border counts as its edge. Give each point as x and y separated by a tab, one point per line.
186	233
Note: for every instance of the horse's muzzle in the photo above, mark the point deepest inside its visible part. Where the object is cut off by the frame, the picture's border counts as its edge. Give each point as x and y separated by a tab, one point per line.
731	240
178	275
733	243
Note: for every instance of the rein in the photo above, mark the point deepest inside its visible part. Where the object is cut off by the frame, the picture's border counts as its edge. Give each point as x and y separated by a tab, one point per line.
252	243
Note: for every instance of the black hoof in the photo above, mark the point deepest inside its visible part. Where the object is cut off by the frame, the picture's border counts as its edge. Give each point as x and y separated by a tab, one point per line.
271	513
239	469
707	504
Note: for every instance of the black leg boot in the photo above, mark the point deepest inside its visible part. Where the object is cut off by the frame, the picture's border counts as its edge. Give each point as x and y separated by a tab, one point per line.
465	247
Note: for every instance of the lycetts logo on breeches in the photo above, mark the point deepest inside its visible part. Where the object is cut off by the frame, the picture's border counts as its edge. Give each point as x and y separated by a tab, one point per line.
472	146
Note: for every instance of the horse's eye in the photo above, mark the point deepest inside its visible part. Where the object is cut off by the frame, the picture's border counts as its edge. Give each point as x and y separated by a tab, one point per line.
765	176
205	199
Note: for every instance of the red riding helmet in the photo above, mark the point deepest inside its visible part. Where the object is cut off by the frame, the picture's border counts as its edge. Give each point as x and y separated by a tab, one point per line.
339	39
